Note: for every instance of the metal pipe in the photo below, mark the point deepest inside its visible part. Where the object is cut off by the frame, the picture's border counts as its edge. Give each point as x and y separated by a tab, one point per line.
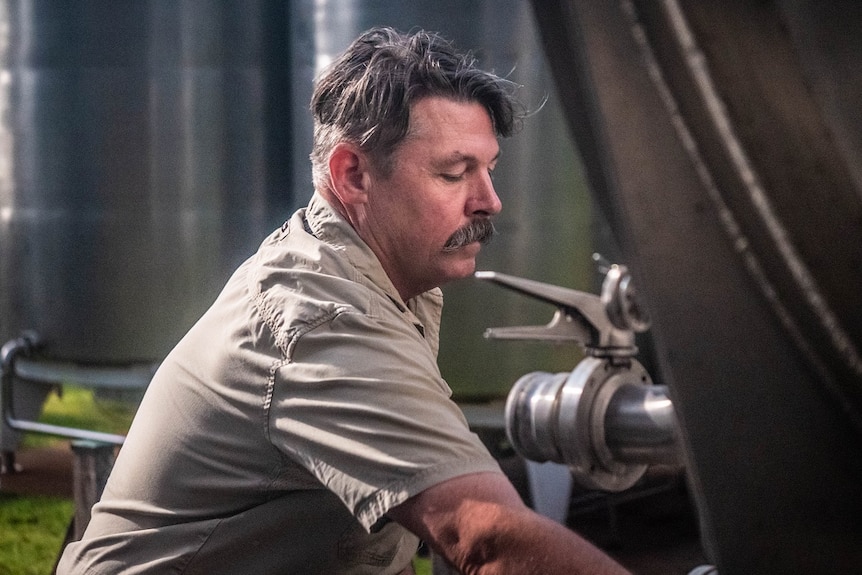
9	354
640	426
605	420
130	377
61	431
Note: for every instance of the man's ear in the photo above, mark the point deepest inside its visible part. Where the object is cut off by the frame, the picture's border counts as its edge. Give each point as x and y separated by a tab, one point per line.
348	168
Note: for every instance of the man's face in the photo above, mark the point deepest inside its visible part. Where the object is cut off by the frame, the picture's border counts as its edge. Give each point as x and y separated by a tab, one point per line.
440	182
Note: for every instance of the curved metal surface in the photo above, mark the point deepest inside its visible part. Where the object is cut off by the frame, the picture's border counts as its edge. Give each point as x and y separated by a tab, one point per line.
640	425
726	158
144	149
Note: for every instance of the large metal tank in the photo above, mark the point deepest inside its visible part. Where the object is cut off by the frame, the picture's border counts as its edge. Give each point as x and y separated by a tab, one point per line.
545	227
145	152
722	141
149	146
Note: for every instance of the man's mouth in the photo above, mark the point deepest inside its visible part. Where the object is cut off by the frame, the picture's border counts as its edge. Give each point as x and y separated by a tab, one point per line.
481	230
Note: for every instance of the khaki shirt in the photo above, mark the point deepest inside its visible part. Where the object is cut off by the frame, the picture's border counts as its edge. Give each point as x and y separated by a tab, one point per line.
303	406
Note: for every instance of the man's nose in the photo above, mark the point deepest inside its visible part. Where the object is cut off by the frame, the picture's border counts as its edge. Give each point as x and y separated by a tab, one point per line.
485	200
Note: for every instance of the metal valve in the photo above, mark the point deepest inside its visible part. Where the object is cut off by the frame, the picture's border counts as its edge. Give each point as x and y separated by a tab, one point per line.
603	325
605	420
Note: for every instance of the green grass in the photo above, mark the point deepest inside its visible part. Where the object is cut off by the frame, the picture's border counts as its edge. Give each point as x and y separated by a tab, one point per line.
32	529
31	533
422	566
78	407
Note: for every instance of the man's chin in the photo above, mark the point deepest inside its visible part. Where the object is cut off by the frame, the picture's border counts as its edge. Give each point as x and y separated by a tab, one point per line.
464	268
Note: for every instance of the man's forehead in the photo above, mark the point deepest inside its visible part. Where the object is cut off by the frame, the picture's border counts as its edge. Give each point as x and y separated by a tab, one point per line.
433	113
454	130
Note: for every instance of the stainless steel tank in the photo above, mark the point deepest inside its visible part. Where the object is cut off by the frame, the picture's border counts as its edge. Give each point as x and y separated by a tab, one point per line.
722	140
145	150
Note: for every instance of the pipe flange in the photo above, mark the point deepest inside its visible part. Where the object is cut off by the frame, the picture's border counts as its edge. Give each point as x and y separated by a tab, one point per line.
621	475
583	402
531	412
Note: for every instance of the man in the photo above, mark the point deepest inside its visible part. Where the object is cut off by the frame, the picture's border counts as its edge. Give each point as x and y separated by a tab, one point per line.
302	426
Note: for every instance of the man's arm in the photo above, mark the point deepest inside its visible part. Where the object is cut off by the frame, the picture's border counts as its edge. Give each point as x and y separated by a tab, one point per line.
479	524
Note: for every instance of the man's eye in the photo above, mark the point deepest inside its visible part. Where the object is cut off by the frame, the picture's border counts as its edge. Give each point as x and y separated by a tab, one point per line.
452	178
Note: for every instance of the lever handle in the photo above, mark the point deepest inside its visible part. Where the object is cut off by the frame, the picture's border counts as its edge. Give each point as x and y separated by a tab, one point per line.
581	317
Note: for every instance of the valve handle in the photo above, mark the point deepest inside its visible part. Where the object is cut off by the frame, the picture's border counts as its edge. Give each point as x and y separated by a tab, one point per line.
580	317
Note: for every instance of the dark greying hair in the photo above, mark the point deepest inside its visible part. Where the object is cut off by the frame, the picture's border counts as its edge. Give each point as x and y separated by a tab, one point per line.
365	96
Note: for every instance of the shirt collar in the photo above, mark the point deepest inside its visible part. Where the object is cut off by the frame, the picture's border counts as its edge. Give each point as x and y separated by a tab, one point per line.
327	225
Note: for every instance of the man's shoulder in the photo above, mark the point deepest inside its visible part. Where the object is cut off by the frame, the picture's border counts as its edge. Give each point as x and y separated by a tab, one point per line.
298	282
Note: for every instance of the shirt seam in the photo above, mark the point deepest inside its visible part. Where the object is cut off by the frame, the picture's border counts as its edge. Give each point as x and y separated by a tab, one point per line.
372	508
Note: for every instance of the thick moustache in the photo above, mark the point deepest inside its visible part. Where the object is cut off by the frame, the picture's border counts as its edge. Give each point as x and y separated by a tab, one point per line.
480	230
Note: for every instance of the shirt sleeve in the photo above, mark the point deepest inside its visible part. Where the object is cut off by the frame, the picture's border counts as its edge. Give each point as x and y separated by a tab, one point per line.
363	407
